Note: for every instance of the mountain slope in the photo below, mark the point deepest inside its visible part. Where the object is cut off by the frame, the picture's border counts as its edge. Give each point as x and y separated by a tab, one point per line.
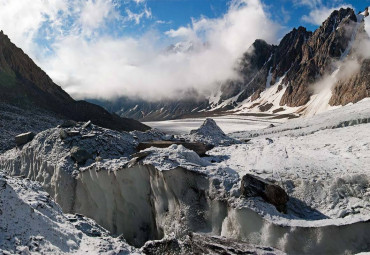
291	77
25	85
303	58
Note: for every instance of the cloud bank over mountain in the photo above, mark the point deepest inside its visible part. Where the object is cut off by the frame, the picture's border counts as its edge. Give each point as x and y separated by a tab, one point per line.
88	59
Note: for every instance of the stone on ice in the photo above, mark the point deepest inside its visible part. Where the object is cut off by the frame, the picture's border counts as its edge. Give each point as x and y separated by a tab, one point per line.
24	138
253	186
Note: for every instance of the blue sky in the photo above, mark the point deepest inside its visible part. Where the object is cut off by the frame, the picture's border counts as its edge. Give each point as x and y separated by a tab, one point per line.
288	13
110	48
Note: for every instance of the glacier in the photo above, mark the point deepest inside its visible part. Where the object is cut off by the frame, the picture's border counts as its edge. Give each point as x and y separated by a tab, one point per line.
173	191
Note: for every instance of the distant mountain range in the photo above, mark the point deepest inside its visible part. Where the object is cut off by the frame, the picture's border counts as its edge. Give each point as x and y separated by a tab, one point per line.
308	72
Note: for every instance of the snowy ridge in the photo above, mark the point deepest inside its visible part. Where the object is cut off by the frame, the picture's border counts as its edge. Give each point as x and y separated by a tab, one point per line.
352	114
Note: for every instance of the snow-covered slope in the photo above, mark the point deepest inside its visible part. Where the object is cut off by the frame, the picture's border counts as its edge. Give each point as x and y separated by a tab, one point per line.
32	223
352	114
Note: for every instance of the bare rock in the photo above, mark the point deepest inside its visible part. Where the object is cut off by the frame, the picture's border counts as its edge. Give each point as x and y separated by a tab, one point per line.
80	155
253	186
63	134
256	95
354	88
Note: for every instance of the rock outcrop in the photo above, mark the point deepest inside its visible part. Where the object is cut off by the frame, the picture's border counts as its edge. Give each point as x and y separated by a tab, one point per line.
80	155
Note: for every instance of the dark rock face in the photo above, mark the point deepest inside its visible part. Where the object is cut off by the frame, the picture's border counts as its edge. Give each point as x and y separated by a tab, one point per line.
24	84
304	57
276	64
24	138
354	88
252	69
301	56
326	44
253	186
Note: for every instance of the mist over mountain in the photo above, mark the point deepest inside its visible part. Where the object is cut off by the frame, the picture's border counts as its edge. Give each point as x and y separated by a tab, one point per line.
333	59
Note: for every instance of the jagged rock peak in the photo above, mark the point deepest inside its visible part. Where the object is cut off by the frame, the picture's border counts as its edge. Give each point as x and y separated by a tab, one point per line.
337	16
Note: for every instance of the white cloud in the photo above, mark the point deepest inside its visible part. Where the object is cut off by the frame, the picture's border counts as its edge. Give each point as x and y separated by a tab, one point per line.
309	3
139	1
94	12
318	15
21	20
97	64
137	17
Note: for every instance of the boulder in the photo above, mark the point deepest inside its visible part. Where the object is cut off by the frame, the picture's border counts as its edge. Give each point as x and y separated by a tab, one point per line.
80	155
24	138
253	186
63	134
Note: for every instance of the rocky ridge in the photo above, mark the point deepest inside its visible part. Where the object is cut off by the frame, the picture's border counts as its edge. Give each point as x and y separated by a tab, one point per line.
24	85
